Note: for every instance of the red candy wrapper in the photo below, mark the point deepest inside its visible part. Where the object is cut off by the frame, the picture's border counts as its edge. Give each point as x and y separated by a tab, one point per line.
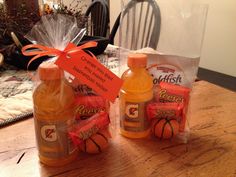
174	93
86	128
164	110
87	106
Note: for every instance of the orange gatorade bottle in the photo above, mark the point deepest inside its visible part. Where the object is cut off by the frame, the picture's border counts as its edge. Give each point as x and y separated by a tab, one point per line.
54	115
135	93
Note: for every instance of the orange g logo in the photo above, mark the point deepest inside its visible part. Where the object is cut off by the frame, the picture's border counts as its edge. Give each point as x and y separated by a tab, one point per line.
132	110
48	133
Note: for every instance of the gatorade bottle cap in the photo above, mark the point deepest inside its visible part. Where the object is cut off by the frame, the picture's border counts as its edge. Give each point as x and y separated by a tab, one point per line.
137	60
49	71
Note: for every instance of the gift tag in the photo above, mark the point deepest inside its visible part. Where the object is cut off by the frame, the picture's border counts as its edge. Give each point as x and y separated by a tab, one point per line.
90	71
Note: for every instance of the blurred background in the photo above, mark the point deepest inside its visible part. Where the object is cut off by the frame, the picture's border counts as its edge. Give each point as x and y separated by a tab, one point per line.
219	44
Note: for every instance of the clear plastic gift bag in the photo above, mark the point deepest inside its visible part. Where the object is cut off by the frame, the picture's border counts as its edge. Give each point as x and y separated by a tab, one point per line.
56	97
173	55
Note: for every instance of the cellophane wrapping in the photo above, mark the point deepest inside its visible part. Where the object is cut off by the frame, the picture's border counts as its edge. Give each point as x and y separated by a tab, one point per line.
175	56
61	101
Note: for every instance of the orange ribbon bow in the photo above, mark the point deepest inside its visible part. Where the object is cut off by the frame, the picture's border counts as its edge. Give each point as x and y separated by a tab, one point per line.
49	51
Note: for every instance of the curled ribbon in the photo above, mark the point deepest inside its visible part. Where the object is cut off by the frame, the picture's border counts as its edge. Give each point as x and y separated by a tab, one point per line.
40	50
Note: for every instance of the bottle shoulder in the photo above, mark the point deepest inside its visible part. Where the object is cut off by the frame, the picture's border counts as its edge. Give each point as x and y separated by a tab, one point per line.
53	97
140	73
137	81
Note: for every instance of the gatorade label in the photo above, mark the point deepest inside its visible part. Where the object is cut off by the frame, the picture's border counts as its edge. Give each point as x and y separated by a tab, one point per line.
134	117
53	140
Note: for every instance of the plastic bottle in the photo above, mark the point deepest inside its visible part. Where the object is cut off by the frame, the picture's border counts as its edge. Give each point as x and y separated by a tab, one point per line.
54	115
136	92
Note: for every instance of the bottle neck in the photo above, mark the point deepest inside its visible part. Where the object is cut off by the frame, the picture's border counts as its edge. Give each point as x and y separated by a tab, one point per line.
134	69
52	84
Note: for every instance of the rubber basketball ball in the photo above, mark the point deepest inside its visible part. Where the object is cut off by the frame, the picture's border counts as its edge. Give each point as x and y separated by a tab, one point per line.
165	128
96	143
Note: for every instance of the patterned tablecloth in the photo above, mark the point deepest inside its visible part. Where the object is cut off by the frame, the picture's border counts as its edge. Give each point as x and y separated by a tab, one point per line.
16	89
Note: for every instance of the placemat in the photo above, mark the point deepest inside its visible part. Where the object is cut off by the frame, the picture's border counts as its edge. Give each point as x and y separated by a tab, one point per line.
15	96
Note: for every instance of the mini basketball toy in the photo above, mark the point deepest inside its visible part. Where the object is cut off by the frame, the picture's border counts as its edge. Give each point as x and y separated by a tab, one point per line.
164	118
92	135
165	128
96	143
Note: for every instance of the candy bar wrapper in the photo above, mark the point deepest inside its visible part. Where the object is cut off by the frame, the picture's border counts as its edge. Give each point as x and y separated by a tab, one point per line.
87	128
87	101
87	106
157	110
167	92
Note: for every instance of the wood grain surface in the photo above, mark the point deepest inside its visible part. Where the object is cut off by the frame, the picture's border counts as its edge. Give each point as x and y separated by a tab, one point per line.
210	151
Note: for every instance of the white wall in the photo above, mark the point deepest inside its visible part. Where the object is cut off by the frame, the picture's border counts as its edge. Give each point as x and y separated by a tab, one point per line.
115	8
219	45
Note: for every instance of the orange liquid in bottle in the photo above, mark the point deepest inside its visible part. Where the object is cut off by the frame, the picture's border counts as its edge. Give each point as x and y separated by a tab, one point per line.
135	93
54	116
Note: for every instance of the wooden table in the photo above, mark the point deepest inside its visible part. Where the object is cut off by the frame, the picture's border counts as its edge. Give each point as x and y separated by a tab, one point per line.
210	152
